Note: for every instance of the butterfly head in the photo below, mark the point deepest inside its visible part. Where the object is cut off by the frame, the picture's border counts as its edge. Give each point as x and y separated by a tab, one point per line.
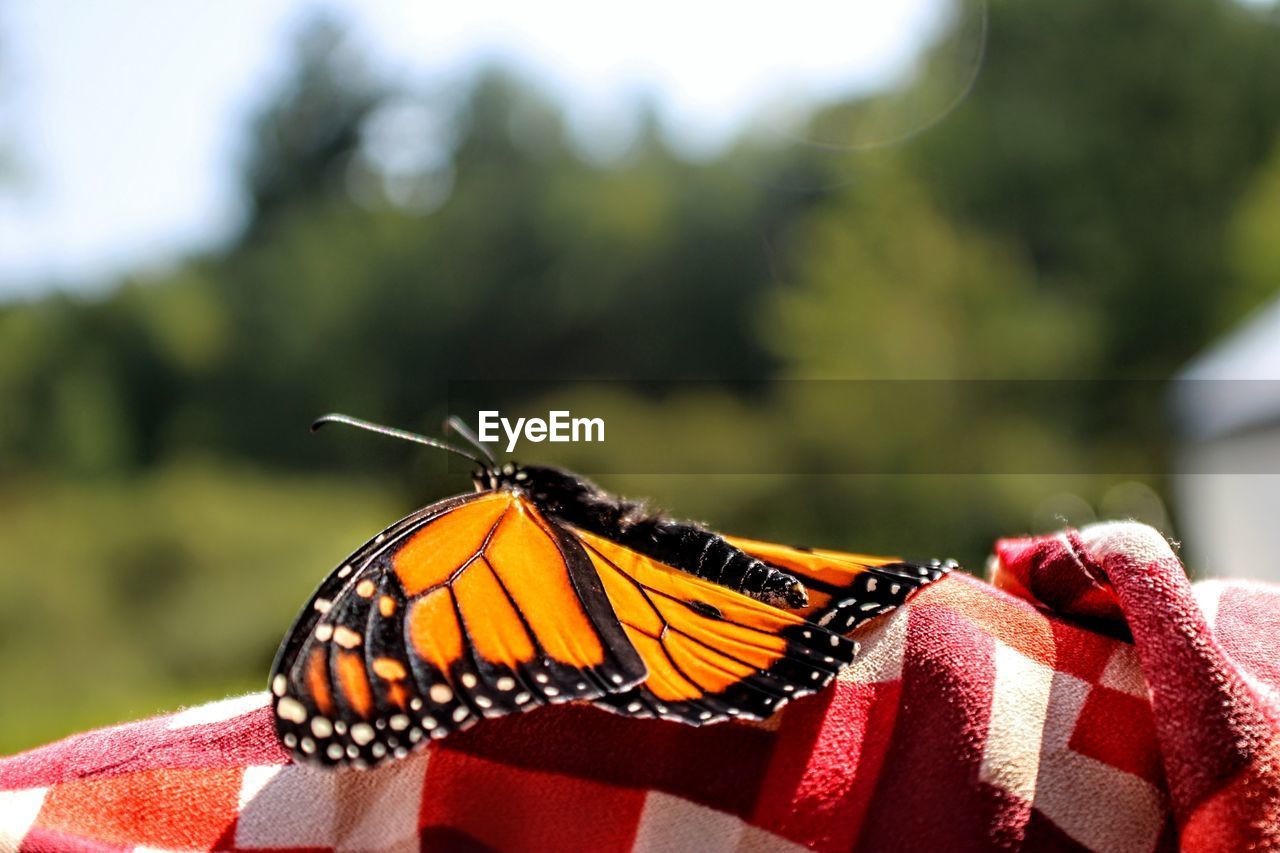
506	476
550	489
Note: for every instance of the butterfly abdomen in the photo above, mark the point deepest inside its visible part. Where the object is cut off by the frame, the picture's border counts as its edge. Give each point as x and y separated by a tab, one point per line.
705	554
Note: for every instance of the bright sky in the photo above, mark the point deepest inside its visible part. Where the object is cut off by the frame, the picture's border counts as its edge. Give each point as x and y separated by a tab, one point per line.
125	118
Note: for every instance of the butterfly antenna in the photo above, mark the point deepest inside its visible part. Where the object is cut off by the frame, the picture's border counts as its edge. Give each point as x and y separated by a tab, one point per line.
458	425
396	433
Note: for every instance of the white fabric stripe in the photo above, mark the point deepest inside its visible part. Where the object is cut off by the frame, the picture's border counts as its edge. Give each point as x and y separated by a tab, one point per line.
1067	695
1132	541
216	712
672	825
1208	595
286	806
1123	672
1103	808
254	780
18	812
1034	714
1011	756
380	809
882	645
1079	782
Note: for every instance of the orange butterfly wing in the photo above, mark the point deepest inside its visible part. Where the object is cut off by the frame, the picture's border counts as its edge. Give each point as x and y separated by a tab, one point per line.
711	653
473	607
479	606
846	590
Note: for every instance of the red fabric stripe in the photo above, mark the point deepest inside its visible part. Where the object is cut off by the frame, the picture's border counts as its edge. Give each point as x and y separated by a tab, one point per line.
241	741
817	788
1130	747
719	766
780	805
513	810
929	796
182	809
40	840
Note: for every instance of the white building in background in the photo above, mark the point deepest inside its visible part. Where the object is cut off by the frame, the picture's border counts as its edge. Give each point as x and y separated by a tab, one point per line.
1227	405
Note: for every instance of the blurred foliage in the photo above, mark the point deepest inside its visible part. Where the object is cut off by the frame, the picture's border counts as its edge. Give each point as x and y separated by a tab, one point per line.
1102	204
105	583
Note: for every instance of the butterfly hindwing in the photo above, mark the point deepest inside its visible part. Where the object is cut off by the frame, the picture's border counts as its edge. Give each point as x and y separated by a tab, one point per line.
711	653
473	607
846	590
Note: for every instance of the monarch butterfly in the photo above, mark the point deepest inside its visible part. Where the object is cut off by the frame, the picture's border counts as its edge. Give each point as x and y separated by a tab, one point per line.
540	588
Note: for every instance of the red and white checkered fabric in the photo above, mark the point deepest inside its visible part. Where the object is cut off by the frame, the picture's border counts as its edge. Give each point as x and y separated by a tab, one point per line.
974	719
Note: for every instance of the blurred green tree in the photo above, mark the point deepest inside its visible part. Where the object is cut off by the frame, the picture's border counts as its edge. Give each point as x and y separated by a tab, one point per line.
310	126
1113	143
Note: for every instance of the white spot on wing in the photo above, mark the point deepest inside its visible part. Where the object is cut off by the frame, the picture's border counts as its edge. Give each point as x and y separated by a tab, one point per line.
345	637
292	710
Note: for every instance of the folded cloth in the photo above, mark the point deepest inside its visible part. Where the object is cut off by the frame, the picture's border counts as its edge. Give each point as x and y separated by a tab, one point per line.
1088	699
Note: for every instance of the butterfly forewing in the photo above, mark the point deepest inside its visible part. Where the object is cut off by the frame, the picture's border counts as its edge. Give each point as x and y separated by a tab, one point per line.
470	608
